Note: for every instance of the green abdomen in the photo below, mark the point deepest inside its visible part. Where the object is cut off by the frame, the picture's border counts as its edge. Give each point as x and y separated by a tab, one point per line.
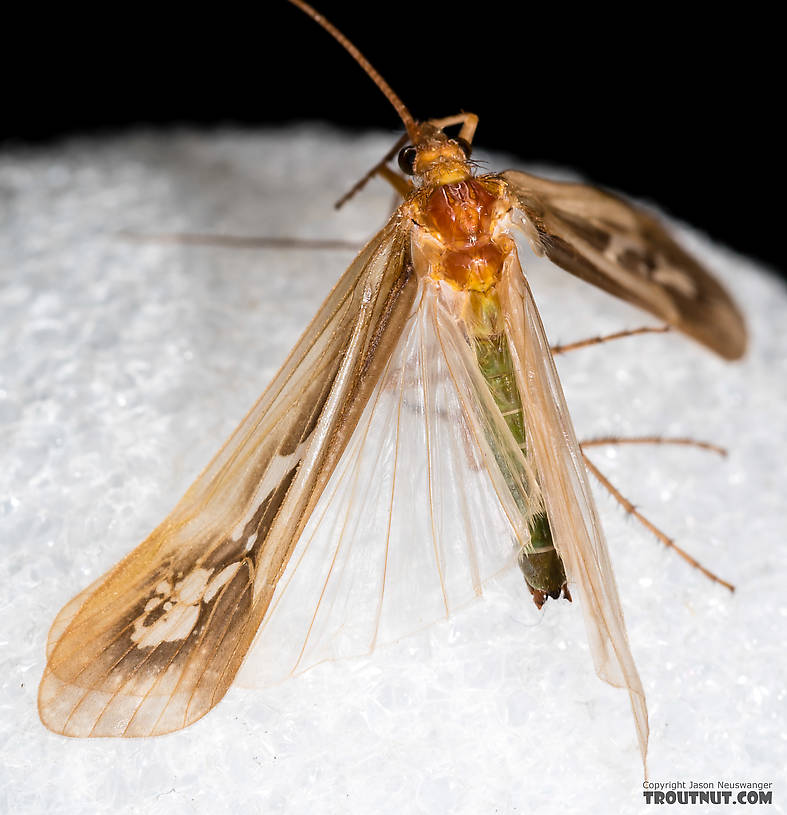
540	564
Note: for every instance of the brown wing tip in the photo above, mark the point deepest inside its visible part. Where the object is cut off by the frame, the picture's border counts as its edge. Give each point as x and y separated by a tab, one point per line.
736	348
725	335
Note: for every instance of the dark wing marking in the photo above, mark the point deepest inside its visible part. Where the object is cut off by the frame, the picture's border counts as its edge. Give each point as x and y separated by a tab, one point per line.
156	642
628	253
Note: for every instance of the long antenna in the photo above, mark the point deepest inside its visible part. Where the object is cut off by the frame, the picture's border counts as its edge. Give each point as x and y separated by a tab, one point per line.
404	114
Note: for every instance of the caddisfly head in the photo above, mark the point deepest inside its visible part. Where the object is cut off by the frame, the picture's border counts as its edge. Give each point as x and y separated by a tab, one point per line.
436	159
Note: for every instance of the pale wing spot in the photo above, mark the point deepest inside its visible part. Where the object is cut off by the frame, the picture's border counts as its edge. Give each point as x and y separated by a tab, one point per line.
251	541
176	624
628	252
192	587
279	467
224	576
165	587
180	611
676	280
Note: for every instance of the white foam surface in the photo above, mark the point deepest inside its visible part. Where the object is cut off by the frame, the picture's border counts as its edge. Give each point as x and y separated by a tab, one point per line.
123	366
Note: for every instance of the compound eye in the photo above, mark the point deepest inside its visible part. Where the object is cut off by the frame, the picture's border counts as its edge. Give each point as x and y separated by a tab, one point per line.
464	146
407	159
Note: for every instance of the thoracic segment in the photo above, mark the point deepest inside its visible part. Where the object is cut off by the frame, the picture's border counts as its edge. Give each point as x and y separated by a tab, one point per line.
463	215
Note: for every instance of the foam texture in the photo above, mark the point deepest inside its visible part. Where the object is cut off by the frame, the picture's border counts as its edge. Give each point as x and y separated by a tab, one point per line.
123	366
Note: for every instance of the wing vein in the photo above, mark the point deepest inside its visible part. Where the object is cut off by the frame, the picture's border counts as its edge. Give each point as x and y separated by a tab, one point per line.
379	613
427	406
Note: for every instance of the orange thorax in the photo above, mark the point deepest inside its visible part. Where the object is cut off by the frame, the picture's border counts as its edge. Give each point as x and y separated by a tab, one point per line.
462	217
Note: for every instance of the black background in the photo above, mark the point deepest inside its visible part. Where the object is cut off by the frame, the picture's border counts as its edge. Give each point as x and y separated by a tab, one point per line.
646	99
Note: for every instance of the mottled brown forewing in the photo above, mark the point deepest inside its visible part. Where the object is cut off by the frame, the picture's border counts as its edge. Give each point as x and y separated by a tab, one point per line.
155	643
628	253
